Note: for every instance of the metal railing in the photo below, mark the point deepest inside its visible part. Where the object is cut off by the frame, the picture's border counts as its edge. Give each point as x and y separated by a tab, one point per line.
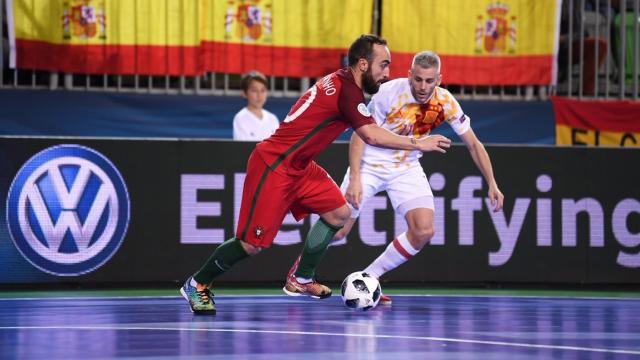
589	40
596	44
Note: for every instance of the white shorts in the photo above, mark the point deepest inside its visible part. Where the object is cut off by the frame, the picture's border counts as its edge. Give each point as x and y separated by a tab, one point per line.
407	189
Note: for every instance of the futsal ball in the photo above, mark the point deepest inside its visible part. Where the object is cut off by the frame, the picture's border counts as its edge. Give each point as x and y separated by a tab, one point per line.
360	291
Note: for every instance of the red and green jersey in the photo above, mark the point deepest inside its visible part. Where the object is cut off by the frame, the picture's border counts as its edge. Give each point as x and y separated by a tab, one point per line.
327	109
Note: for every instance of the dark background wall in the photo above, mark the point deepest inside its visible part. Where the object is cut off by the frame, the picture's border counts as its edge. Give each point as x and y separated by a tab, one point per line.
541	237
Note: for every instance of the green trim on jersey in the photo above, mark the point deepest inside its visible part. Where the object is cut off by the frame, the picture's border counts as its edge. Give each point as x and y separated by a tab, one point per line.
254	201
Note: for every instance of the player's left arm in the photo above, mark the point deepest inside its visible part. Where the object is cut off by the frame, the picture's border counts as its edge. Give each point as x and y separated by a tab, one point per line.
354	190
483	162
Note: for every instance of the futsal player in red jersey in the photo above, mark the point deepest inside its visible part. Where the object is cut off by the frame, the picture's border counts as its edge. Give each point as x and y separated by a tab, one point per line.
282	175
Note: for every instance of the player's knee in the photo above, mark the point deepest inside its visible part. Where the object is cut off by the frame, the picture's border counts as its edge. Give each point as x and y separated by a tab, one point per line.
338	217
250	249
343	215
340	234
423	235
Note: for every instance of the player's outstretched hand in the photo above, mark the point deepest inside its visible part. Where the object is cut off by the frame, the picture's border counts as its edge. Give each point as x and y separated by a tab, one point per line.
496	198
354	193
434	143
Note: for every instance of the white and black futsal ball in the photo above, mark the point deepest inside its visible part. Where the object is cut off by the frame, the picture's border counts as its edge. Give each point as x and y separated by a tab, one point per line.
360	291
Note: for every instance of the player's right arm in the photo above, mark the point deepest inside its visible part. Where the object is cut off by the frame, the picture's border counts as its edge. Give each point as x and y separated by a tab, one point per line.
377	108
374	135
352	107
354	190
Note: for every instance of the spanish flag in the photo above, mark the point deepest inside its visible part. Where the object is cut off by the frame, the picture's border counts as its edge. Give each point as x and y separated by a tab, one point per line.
596	122
284	37
187	37
480	42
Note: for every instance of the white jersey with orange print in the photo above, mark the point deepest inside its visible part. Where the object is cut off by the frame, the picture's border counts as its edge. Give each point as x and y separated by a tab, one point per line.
395	109
399	172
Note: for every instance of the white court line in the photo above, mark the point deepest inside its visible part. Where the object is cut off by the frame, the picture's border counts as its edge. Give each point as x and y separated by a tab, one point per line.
107	297
373	336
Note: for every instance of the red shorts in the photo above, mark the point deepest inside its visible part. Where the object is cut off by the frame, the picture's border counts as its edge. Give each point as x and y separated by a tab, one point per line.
268	196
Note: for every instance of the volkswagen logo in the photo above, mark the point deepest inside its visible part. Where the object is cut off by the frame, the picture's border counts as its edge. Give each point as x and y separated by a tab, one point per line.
68	210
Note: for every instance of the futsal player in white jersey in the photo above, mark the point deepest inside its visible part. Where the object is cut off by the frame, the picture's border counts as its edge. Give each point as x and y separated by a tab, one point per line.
410	106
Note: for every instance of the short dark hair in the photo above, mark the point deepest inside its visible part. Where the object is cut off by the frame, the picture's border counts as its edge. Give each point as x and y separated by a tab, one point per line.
362	48
426	60
252	76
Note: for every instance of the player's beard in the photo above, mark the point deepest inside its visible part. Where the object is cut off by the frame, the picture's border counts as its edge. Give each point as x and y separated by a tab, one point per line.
369	84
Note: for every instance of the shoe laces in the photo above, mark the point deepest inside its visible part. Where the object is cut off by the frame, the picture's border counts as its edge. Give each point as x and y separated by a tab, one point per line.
205	295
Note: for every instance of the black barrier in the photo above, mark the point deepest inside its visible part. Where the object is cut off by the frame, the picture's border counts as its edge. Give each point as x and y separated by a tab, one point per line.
572	215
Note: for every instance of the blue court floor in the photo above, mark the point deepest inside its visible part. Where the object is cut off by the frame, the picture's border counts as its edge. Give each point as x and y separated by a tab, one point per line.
281	327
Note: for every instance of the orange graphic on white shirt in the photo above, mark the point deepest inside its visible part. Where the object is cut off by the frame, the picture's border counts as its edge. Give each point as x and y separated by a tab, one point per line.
412	119
416	119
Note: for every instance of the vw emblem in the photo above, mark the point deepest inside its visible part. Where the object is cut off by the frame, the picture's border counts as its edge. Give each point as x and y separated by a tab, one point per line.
68	210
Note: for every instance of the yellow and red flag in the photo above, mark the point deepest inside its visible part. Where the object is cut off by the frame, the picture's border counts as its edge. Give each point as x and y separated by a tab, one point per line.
596	122
101	36
480	42
187	37
284	37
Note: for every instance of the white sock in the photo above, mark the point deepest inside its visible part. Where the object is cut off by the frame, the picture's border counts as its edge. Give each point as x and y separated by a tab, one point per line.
303	280
193	282
396	254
